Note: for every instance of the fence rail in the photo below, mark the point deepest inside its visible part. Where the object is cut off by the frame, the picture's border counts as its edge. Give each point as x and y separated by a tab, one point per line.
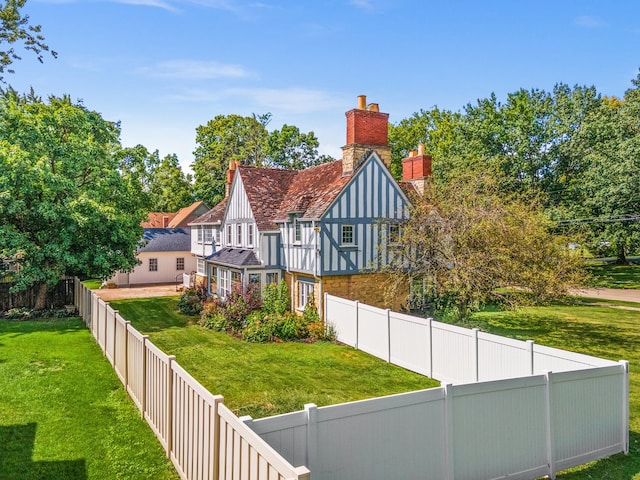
185	417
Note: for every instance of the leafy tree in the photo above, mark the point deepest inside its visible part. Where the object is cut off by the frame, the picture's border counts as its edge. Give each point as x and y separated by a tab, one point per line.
136	165
246	140
467	239
170	188
64	207
15	27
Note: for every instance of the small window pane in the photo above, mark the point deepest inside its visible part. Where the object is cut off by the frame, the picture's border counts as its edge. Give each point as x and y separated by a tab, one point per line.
239	234
179	263
347	234
153	264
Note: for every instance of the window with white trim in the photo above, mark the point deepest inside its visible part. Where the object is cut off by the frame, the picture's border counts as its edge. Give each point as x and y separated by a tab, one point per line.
305	292
346	235
224	285
199	229
271	277
250	235
229	232
180	263
239	234
153	264
208	235
200	267
216	231
395	233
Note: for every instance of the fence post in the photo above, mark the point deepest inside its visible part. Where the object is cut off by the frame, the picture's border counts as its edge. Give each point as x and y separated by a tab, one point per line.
104	338
549	425
531	359
115	340
476	360
388	335
449	470
143	400
430	345
217	401
357	324
325	313
625	405
311	410
171	359
126	354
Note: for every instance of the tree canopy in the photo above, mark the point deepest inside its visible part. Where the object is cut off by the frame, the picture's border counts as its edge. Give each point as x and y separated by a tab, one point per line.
65	209
247	141
15	28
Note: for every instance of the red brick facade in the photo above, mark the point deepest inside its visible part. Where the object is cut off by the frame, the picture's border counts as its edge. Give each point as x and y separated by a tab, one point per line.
365	127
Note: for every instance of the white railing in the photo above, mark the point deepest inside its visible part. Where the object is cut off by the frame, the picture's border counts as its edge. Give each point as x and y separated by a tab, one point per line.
185	417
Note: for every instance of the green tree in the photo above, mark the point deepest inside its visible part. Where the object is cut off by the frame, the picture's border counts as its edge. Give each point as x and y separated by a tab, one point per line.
169	187
290	148
64	207
467	239
15	27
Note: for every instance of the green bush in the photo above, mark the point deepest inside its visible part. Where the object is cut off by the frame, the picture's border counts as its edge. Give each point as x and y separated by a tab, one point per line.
259	328
276	299
212	319
191	300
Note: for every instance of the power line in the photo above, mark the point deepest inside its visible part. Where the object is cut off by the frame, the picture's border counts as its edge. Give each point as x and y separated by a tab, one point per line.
611	219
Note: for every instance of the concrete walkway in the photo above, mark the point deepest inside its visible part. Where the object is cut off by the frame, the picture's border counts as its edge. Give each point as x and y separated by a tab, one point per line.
142	291
619	294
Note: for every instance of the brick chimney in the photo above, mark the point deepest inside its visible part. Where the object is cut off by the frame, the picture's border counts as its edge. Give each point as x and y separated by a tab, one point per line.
230	174
367	129
165	221
416	169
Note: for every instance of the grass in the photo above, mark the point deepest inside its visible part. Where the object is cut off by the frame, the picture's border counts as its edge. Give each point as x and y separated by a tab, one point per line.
608	275
594	330
64	413
267	379
93	283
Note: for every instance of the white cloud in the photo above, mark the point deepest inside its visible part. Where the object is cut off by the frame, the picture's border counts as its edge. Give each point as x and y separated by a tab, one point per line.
194	70
588	21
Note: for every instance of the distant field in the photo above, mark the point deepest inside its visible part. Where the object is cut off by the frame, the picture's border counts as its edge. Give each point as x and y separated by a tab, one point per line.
608	275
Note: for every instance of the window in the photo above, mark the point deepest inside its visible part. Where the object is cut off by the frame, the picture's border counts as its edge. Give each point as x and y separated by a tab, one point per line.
298	231
272	277
199	234
250	235
225	286
217	235
208	235
239	234
395	233
180	263
305	292
200	268
213	279
153	264
229	232
346	235
236	278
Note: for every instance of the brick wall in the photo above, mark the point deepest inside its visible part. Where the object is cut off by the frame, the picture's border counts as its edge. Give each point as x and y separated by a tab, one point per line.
366	288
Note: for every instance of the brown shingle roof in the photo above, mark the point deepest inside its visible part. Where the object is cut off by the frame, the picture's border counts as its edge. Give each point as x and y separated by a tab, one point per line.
157	220
185	215
215	215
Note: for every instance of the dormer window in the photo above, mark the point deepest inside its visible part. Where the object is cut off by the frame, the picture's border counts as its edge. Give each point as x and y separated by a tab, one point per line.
208	235
217	235
199	229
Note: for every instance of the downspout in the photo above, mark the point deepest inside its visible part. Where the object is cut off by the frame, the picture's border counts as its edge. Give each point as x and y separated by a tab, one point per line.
316	234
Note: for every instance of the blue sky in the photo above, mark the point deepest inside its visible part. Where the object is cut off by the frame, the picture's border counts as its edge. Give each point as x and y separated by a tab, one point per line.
163	67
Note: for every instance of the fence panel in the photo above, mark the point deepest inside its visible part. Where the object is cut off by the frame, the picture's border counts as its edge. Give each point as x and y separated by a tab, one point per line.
343	316
121	350
110	335
577	399
555	360
286	433
500	357
243	454
373	331
452	353
410	343
101	317
499	429
136	369
157	392
195	427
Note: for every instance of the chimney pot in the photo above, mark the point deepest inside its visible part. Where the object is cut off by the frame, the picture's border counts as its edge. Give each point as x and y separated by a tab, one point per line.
421	149
373	107
362	102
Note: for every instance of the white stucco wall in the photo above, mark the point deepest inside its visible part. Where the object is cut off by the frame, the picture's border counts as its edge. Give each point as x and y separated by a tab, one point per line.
166	268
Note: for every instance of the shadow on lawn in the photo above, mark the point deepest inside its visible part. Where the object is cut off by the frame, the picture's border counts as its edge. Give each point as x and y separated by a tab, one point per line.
16	461
58	325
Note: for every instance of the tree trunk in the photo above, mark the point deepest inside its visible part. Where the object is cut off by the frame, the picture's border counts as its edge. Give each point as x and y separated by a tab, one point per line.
621	255
41	297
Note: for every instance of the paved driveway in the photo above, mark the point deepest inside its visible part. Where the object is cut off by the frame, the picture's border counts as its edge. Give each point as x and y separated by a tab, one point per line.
143	291
619	294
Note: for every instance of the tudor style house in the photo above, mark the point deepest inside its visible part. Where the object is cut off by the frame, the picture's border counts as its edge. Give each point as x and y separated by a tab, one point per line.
323	229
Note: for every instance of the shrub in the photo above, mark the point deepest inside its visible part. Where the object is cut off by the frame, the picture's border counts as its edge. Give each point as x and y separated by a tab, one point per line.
213	319
191	300
231	313
276	298
259	328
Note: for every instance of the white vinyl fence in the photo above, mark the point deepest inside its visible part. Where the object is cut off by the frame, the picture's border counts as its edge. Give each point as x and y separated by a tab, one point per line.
513	409
203	438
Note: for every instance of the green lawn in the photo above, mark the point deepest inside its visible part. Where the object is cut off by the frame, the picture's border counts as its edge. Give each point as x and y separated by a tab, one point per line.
608	275
267	379
594	330
64	413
